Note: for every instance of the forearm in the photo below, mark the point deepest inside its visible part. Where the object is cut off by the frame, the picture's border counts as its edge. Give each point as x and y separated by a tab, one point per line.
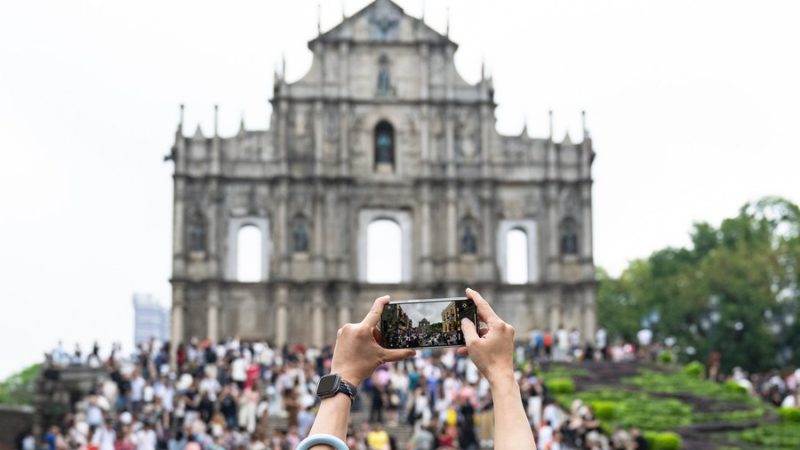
332	418
511	428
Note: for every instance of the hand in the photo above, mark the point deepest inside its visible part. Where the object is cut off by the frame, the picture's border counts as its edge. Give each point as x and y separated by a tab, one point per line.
491	349
357	352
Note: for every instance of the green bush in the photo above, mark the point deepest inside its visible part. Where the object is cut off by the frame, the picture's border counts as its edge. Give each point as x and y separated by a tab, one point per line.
790	414
666	441
695	369
561	386
603	410
733	386
665	357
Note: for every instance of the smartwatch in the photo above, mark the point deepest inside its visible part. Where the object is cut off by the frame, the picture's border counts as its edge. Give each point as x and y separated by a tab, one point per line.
332	384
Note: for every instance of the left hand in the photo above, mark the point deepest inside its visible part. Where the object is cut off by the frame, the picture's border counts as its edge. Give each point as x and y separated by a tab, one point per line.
358	353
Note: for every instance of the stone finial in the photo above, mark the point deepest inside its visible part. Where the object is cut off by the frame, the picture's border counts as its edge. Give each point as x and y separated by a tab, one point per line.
319	18
447	29
198	133
567	140
241	125
216	120
550	114
180	120
583	122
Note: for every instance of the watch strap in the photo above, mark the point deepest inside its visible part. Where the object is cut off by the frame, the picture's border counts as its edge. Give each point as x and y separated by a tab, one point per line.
347	388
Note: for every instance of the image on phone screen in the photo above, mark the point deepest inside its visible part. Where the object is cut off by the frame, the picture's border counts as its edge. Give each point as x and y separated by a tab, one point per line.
426	323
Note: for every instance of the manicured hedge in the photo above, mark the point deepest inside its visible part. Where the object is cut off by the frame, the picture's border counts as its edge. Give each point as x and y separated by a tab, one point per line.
603	410
790	414
561	386
694	369
666	441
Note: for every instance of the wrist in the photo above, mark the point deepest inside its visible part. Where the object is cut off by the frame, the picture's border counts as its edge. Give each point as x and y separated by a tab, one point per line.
347	376
502	379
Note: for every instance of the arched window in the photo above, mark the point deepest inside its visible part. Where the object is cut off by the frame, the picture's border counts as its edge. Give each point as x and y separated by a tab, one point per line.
384	144
384	252
248	263
300	236
516	256
569	237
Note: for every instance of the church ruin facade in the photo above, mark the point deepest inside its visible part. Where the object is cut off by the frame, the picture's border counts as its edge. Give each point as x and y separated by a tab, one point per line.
381	130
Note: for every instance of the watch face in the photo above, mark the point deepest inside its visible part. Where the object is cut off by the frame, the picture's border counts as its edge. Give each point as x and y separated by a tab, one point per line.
327	384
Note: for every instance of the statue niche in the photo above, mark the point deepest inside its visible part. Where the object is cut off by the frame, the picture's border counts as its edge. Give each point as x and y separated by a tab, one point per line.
569	237
300	239
197	232
384	80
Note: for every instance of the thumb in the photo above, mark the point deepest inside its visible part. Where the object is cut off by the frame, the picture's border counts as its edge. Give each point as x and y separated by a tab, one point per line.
470	333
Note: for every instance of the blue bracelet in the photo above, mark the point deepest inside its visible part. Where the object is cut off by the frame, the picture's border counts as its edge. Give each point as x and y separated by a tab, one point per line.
322	439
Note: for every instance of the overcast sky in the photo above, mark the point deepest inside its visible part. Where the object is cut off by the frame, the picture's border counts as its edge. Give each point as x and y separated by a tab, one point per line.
692	106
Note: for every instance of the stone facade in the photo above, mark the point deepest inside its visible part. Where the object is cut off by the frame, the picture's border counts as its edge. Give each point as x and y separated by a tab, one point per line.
381	127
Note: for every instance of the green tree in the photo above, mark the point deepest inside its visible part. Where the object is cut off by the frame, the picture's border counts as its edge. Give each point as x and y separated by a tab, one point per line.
735	290
18	388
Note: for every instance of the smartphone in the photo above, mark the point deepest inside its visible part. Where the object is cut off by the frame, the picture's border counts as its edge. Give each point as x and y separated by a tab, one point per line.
434	322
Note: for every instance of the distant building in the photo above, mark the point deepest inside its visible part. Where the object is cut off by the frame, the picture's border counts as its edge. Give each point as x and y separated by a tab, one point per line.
151	319
450	320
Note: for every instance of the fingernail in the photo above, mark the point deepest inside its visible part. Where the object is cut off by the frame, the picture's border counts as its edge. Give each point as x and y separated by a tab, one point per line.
469	289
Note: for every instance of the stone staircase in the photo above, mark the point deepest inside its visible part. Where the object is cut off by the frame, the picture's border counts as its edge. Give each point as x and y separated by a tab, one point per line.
401	431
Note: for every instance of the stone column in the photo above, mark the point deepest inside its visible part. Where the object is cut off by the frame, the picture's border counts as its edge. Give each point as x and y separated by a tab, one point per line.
317	323
589	314
178	229
426	267
177	320
452	231
212	330
281	316
486	246
555	309
318	136
345	303
281	234
552	236
344	117
317	244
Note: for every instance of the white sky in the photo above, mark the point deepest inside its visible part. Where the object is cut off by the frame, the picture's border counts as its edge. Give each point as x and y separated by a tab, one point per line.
692	105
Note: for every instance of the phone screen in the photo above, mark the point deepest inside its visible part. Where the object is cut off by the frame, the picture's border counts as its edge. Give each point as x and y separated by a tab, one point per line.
426	323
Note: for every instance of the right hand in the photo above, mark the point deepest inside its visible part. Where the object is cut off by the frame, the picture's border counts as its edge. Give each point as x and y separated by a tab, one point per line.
492	350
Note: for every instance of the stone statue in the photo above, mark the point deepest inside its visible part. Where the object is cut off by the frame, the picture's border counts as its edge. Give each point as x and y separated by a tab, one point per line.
197	234
569	239
300	238
469	245
384	82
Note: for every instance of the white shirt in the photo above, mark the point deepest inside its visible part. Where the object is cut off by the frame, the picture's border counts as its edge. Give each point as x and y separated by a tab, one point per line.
137	389
146	440
104	438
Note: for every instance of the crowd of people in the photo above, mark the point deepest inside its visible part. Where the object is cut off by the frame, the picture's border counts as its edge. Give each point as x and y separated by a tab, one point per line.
244	395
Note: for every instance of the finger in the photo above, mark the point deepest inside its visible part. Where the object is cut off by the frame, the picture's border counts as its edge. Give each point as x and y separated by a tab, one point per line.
398	355
374	315
376	333
470	334
463	351
485	312
482	330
